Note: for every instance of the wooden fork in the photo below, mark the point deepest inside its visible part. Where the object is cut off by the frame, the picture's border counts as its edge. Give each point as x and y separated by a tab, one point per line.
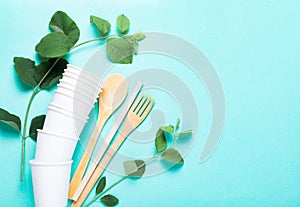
136	115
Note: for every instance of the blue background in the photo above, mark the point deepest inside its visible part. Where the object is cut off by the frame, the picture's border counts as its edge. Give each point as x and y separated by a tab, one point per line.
254	46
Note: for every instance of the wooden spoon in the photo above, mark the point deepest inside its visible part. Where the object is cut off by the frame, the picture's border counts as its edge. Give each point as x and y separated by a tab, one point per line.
114	91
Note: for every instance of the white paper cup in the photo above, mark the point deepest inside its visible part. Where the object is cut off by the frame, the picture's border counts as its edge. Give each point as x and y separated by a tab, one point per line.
51	147
91	93
78	70
90	99
82	82
82	112
50	183
66	101
61	122
81	75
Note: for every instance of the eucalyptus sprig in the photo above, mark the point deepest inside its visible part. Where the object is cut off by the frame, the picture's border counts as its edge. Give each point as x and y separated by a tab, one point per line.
137	168
44	72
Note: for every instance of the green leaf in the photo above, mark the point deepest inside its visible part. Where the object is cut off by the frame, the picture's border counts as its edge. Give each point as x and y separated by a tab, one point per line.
139	36
101	185
36	123
177	124
172	155
31	74
184	134
102	25
132	42
141	165
123	23
55	74
10	119
130	167
109	200
61	22
127	60
120	50
160	141
134	168
169	129
25	69
55	44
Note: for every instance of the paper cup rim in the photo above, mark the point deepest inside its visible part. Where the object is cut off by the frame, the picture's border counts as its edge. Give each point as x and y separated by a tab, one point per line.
57	135
68	111
62	111
40	163
81	80
69	96
80	69
79	92
95	89
81	75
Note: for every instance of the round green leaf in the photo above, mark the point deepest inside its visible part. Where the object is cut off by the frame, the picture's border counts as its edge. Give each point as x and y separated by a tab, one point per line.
169	129
123	23
109	200
102	25
54	75
139	36
31	74
184	134
135	168
172	155
10	119
120	50
25	69
36	123
160	141
61	22
55	44
101	185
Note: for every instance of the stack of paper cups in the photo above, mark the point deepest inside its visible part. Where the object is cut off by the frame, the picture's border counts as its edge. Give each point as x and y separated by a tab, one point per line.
67	114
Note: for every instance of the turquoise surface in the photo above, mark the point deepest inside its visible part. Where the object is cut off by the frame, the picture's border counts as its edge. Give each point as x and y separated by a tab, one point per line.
254	47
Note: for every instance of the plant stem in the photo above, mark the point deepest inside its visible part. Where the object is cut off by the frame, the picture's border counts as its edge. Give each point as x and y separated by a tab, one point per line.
106	190
93	40
88	41
173	142
24	135
46	74
35	91
149	160
118	181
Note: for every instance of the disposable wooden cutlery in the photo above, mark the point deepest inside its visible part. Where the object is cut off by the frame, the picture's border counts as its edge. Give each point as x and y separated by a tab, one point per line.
108	139
136	115
114	91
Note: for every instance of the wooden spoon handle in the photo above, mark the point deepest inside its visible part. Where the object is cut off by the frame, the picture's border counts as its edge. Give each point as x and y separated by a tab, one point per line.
99	170
77	177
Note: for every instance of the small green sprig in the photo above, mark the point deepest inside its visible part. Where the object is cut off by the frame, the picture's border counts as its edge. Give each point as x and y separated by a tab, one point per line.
137	168
44	72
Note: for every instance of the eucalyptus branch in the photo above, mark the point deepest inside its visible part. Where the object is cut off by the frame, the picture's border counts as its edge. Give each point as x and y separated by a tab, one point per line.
93	40
24	135
35	91
105	191
143	165
47	73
